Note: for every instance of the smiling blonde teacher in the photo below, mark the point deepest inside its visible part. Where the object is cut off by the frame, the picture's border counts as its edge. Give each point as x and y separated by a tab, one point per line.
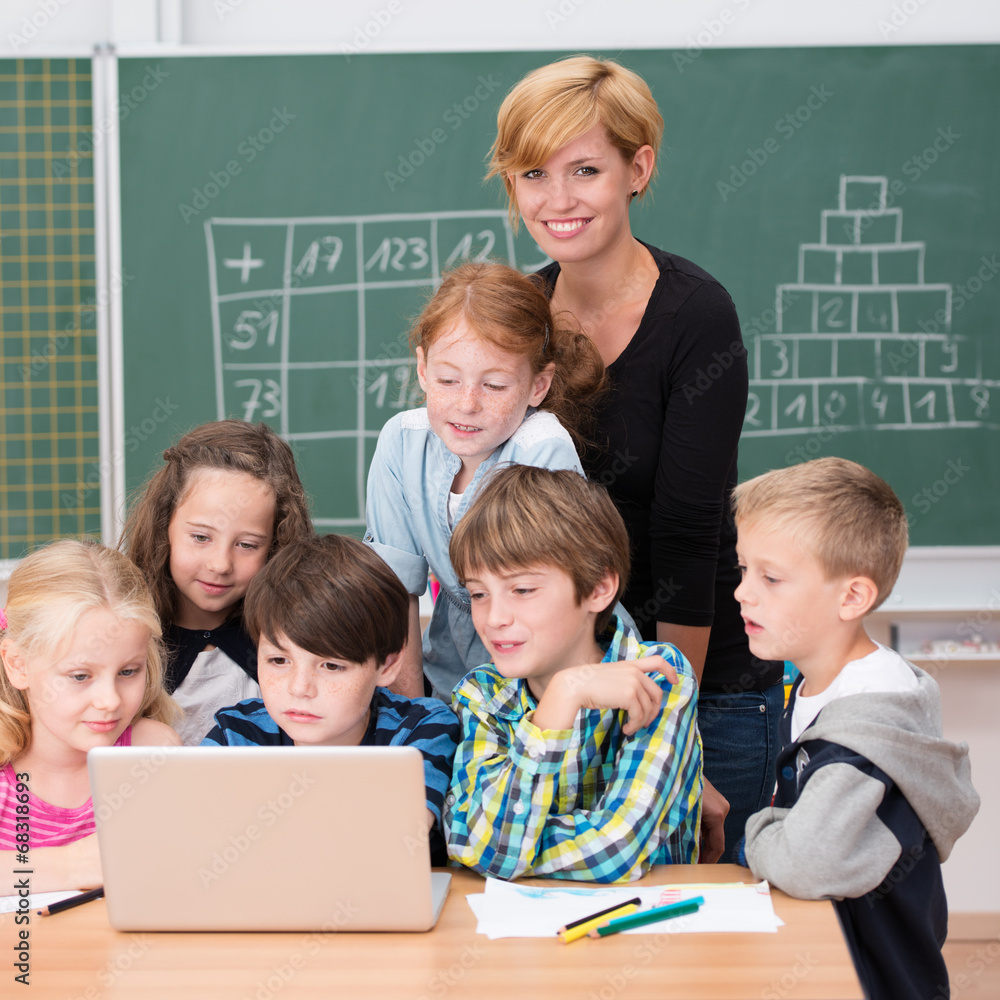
576	144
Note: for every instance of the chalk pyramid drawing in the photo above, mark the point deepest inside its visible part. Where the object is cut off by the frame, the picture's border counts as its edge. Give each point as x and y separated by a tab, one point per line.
862	339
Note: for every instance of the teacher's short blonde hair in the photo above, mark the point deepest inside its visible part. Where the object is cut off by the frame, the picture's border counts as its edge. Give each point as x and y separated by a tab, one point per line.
557	103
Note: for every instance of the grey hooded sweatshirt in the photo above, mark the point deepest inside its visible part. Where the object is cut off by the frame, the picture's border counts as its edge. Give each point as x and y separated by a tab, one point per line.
869	801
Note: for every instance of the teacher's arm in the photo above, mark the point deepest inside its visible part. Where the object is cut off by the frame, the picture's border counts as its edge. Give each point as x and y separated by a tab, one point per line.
409	681
391	533
691	640
700	432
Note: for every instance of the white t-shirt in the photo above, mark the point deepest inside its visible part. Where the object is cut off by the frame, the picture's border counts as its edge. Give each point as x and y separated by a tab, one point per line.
454	499
213	682
881	670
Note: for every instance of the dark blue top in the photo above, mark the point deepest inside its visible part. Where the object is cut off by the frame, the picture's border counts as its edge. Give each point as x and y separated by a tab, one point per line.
425	723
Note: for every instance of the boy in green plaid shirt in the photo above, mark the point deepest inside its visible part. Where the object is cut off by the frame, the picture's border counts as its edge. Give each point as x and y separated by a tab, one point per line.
580	756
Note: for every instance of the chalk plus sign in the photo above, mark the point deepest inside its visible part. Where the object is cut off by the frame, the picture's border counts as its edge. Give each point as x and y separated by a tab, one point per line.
244	263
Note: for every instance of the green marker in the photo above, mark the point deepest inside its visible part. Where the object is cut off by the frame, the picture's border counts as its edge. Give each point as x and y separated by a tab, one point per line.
649	916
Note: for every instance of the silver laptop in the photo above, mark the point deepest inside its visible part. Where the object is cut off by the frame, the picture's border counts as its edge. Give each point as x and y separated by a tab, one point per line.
265	838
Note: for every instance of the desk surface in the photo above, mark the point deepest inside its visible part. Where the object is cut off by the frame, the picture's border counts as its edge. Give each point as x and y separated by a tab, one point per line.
77	956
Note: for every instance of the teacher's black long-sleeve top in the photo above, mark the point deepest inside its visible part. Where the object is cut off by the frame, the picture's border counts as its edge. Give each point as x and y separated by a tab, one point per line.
668	435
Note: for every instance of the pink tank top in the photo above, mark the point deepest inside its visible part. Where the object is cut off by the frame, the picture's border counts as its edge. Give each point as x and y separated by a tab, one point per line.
48	825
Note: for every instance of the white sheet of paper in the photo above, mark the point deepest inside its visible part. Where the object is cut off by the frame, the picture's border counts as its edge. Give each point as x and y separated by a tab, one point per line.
10	904
510	909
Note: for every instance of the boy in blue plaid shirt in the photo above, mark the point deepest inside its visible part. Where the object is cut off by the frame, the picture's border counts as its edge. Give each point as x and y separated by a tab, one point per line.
579	755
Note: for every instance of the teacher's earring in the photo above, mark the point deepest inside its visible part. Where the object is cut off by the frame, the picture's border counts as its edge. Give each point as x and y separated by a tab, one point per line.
635	194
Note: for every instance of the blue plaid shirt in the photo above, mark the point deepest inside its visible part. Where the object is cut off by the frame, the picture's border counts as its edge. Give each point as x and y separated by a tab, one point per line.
587	802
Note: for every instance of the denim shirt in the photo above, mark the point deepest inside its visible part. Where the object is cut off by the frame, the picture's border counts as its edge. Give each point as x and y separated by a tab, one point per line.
407	510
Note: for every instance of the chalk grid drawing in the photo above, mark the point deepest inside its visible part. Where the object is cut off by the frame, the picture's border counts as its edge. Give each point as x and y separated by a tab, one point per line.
862	339
309	322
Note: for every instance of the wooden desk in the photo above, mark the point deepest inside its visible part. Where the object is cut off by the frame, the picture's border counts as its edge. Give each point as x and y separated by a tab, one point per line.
77	956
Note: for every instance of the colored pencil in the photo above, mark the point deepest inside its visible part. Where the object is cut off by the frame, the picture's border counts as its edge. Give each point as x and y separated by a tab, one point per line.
599	913
648	917
582	930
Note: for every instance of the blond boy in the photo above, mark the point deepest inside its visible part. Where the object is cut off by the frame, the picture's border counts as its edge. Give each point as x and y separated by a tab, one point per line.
579	756
870	798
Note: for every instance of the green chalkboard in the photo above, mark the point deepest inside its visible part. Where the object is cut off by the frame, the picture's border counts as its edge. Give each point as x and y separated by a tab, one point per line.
50	474
284	217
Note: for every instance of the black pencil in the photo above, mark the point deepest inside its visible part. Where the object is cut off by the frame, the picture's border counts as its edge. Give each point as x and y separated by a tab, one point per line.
600	913
67	904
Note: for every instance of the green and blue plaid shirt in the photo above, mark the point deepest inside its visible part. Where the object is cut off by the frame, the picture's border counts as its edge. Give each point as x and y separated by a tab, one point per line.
587	802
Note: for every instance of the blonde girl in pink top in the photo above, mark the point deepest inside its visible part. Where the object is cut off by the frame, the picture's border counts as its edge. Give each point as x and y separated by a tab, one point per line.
81	668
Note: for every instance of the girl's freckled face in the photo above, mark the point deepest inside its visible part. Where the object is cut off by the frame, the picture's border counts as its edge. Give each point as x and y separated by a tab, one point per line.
477	393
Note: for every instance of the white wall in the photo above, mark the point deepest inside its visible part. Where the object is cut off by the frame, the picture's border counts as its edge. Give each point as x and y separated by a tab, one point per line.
51	26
